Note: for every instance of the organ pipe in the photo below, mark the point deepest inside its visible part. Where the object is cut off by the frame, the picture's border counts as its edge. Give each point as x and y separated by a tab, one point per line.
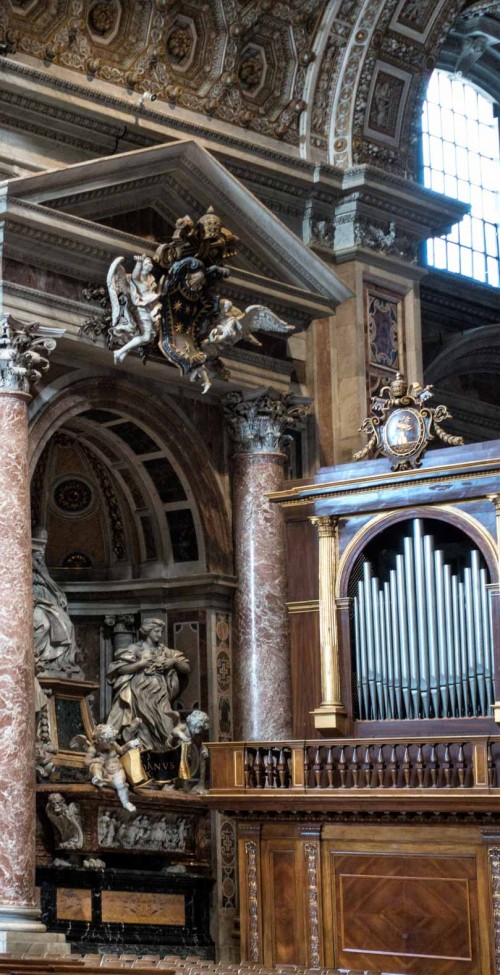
423	635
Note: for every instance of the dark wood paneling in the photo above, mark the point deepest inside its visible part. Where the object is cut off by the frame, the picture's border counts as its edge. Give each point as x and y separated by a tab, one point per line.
283	947
306	671
302	542
283	901
413	911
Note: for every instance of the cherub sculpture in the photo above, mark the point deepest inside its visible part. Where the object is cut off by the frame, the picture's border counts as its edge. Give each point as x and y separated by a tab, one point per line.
231	325
103	754
135	305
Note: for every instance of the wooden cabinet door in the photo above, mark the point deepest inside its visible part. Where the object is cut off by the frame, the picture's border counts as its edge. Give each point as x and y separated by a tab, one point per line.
290	902
411	907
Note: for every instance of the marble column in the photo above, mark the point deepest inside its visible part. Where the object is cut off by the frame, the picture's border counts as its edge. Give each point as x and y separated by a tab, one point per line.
262	681
23	349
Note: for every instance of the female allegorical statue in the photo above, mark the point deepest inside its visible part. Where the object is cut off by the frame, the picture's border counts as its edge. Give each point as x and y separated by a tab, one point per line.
146	678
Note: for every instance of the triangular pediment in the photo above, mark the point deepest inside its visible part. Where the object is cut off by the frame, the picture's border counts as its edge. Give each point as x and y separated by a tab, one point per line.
139	193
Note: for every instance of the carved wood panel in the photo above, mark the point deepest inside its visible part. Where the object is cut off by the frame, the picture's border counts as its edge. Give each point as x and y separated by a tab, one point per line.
412	912
289	901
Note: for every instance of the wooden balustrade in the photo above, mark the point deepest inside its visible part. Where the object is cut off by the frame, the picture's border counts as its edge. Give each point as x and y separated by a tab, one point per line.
446	765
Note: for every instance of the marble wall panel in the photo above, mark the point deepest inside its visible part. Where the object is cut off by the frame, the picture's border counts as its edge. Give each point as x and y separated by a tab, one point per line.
74	904
142	908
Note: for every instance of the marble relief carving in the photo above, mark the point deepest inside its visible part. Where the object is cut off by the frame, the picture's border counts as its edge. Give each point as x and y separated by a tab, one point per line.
150	832
66	820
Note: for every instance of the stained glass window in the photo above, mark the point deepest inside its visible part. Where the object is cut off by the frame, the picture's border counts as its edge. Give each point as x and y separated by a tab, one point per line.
460	154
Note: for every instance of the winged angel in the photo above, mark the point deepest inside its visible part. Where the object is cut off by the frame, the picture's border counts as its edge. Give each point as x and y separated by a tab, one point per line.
135	305
169	302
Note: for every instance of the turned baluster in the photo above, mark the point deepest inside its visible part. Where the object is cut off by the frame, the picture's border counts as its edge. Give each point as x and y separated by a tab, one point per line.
258	770
281	770
380	767
406	767
368	767
433	769
270	770
307	769
317	769
393	768
342	768
329	768
355	767
461	767
420	768
446	766
491	766
248	769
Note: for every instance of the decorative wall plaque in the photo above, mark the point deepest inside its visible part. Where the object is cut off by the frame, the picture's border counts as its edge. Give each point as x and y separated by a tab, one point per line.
400	425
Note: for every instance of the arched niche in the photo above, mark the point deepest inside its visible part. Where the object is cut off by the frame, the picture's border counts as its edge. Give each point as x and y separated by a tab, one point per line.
78	405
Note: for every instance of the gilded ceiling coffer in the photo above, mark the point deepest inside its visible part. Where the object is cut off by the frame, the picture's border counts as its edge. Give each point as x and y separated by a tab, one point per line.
331	714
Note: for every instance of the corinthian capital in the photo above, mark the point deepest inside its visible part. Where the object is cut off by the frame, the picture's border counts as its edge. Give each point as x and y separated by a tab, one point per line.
24	351
258	420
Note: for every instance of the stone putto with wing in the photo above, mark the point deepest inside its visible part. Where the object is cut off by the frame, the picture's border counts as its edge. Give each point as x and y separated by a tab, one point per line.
170	303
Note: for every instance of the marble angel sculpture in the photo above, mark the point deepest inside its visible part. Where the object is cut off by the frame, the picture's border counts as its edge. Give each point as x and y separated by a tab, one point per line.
231	325
103	754
135	305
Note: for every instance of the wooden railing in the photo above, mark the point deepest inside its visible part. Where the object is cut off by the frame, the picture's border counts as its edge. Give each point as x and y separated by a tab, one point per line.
446	764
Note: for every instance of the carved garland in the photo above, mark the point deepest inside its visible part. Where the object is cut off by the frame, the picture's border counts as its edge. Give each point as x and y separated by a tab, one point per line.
253	904
494	858
311	853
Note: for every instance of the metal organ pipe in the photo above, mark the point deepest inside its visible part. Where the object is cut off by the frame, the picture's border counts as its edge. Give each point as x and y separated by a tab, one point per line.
431	616
423	635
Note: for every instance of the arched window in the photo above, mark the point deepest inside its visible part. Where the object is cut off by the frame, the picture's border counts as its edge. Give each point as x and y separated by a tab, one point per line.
461	159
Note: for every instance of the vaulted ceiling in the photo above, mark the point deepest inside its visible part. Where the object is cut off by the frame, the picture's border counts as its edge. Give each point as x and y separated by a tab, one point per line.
338	81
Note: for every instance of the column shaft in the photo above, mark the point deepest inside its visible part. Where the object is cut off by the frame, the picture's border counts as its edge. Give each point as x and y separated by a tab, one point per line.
17	714
262	661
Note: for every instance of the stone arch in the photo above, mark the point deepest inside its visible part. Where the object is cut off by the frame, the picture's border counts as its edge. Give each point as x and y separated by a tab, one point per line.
72	397
476	351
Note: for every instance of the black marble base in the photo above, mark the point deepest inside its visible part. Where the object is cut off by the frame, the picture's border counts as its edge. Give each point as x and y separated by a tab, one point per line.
99	935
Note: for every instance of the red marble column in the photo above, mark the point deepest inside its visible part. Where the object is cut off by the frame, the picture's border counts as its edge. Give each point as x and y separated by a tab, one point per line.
262	679
17	714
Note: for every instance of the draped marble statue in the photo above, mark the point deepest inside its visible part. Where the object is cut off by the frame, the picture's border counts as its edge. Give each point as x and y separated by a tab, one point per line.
54	634
147	678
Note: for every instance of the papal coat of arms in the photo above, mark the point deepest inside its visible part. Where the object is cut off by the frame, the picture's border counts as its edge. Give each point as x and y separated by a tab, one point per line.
401	425
170	302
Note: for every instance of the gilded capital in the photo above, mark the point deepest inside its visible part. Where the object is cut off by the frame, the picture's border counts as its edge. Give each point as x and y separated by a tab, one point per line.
259	421
326	524
495	500
24	351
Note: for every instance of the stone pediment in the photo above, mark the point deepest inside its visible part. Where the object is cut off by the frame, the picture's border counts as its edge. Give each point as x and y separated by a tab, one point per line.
170	180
